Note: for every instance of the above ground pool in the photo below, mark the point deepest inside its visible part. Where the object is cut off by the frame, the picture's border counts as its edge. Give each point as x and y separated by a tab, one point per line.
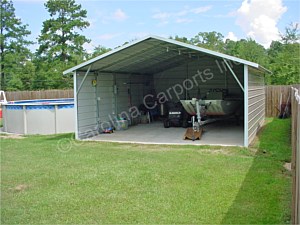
43	116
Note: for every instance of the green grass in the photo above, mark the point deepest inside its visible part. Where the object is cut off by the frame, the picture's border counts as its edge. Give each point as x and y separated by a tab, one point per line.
265	195
56	180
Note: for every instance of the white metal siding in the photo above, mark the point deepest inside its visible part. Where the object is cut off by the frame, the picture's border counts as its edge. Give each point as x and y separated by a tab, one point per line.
105	83
118	93
256	103
214	75
86	106
131	90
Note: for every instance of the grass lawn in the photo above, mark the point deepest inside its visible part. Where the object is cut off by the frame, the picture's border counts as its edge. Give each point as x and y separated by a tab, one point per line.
56	180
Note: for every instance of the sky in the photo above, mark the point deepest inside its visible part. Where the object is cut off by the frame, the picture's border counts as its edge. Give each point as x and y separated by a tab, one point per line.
115	22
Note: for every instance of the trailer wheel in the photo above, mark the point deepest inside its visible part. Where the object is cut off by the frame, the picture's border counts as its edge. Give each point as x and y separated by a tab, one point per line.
185	124
166	124
237	119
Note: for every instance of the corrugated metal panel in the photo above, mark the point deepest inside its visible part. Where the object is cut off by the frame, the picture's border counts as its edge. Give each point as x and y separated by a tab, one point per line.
122	96
203	75
106	104
86	108
256	103
118	93
131	89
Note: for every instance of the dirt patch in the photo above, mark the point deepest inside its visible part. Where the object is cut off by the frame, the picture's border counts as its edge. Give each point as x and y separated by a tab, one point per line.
288	166
11	136
250	153
253	150
20	187
215	151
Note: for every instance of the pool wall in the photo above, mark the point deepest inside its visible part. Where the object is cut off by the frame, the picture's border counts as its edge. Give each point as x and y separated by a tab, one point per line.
39	116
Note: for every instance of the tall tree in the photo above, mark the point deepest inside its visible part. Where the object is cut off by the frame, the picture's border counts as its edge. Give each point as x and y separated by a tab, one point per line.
247	49
291	34
286	65
285	57
182	39
210	40
14	50
99	50
60	37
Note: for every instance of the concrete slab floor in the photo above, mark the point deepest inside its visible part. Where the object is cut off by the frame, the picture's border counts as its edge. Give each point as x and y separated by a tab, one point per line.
219	133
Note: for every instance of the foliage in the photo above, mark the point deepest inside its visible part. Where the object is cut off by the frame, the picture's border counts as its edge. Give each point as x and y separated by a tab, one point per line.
181	39
285	65
247	49
291	35
210	40
22	78
284	57
14	52
49	76
99	50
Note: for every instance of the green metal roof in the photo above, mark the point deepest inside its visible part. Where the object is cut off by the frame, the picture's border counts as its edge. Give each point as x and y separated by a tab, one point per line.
152	55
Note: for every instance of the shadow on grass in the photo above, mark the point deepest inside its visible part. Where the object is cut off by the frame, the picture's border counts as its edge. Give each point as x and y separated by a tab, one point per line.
265	194
58	137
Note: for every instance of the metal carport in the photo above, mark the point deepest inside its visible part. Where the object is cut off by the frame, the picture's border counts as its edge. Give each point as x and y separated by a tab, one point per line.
118	81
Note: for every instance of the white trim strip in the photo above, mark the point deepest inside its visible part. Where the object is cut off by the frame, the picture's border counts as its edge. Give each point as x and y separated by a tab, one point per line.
75	105
233	74
83	80
246	131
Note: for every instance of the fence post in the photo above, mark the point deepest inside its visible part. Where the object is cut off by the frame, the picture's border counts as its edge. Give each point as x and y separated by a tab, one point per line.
295	101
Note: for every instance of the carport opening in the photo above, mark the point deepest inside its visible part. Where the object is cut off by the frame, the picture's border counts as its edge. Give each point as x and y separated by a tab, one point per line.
151	104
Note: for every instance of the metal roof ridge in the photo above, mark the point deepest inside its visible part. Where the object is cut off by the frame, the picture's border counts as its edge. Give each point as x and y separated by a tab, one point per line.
194	47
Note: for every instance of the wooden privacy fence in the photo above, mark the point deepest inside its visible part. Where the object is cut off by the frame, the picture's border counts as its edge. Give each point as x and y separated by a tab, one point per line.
44	94
295	101
273	95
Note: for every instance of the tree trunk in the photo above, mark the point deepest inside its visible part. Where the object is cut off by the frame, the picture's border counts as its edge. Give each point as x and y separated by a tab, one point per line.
2	75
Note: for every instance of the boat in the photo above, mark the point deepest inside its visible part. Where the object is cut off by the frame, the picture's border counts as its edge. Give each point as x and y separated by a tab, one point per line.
212	108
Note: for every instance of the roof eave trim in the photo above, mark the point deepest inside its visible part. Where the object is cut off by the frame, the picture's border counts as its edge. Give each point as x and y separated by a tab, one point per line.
264	69
91	61
171	41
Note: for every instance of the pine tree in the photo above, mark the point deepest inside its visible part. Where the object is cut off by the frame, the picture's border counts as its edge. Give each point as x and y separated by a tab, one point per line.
60	38
14	52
